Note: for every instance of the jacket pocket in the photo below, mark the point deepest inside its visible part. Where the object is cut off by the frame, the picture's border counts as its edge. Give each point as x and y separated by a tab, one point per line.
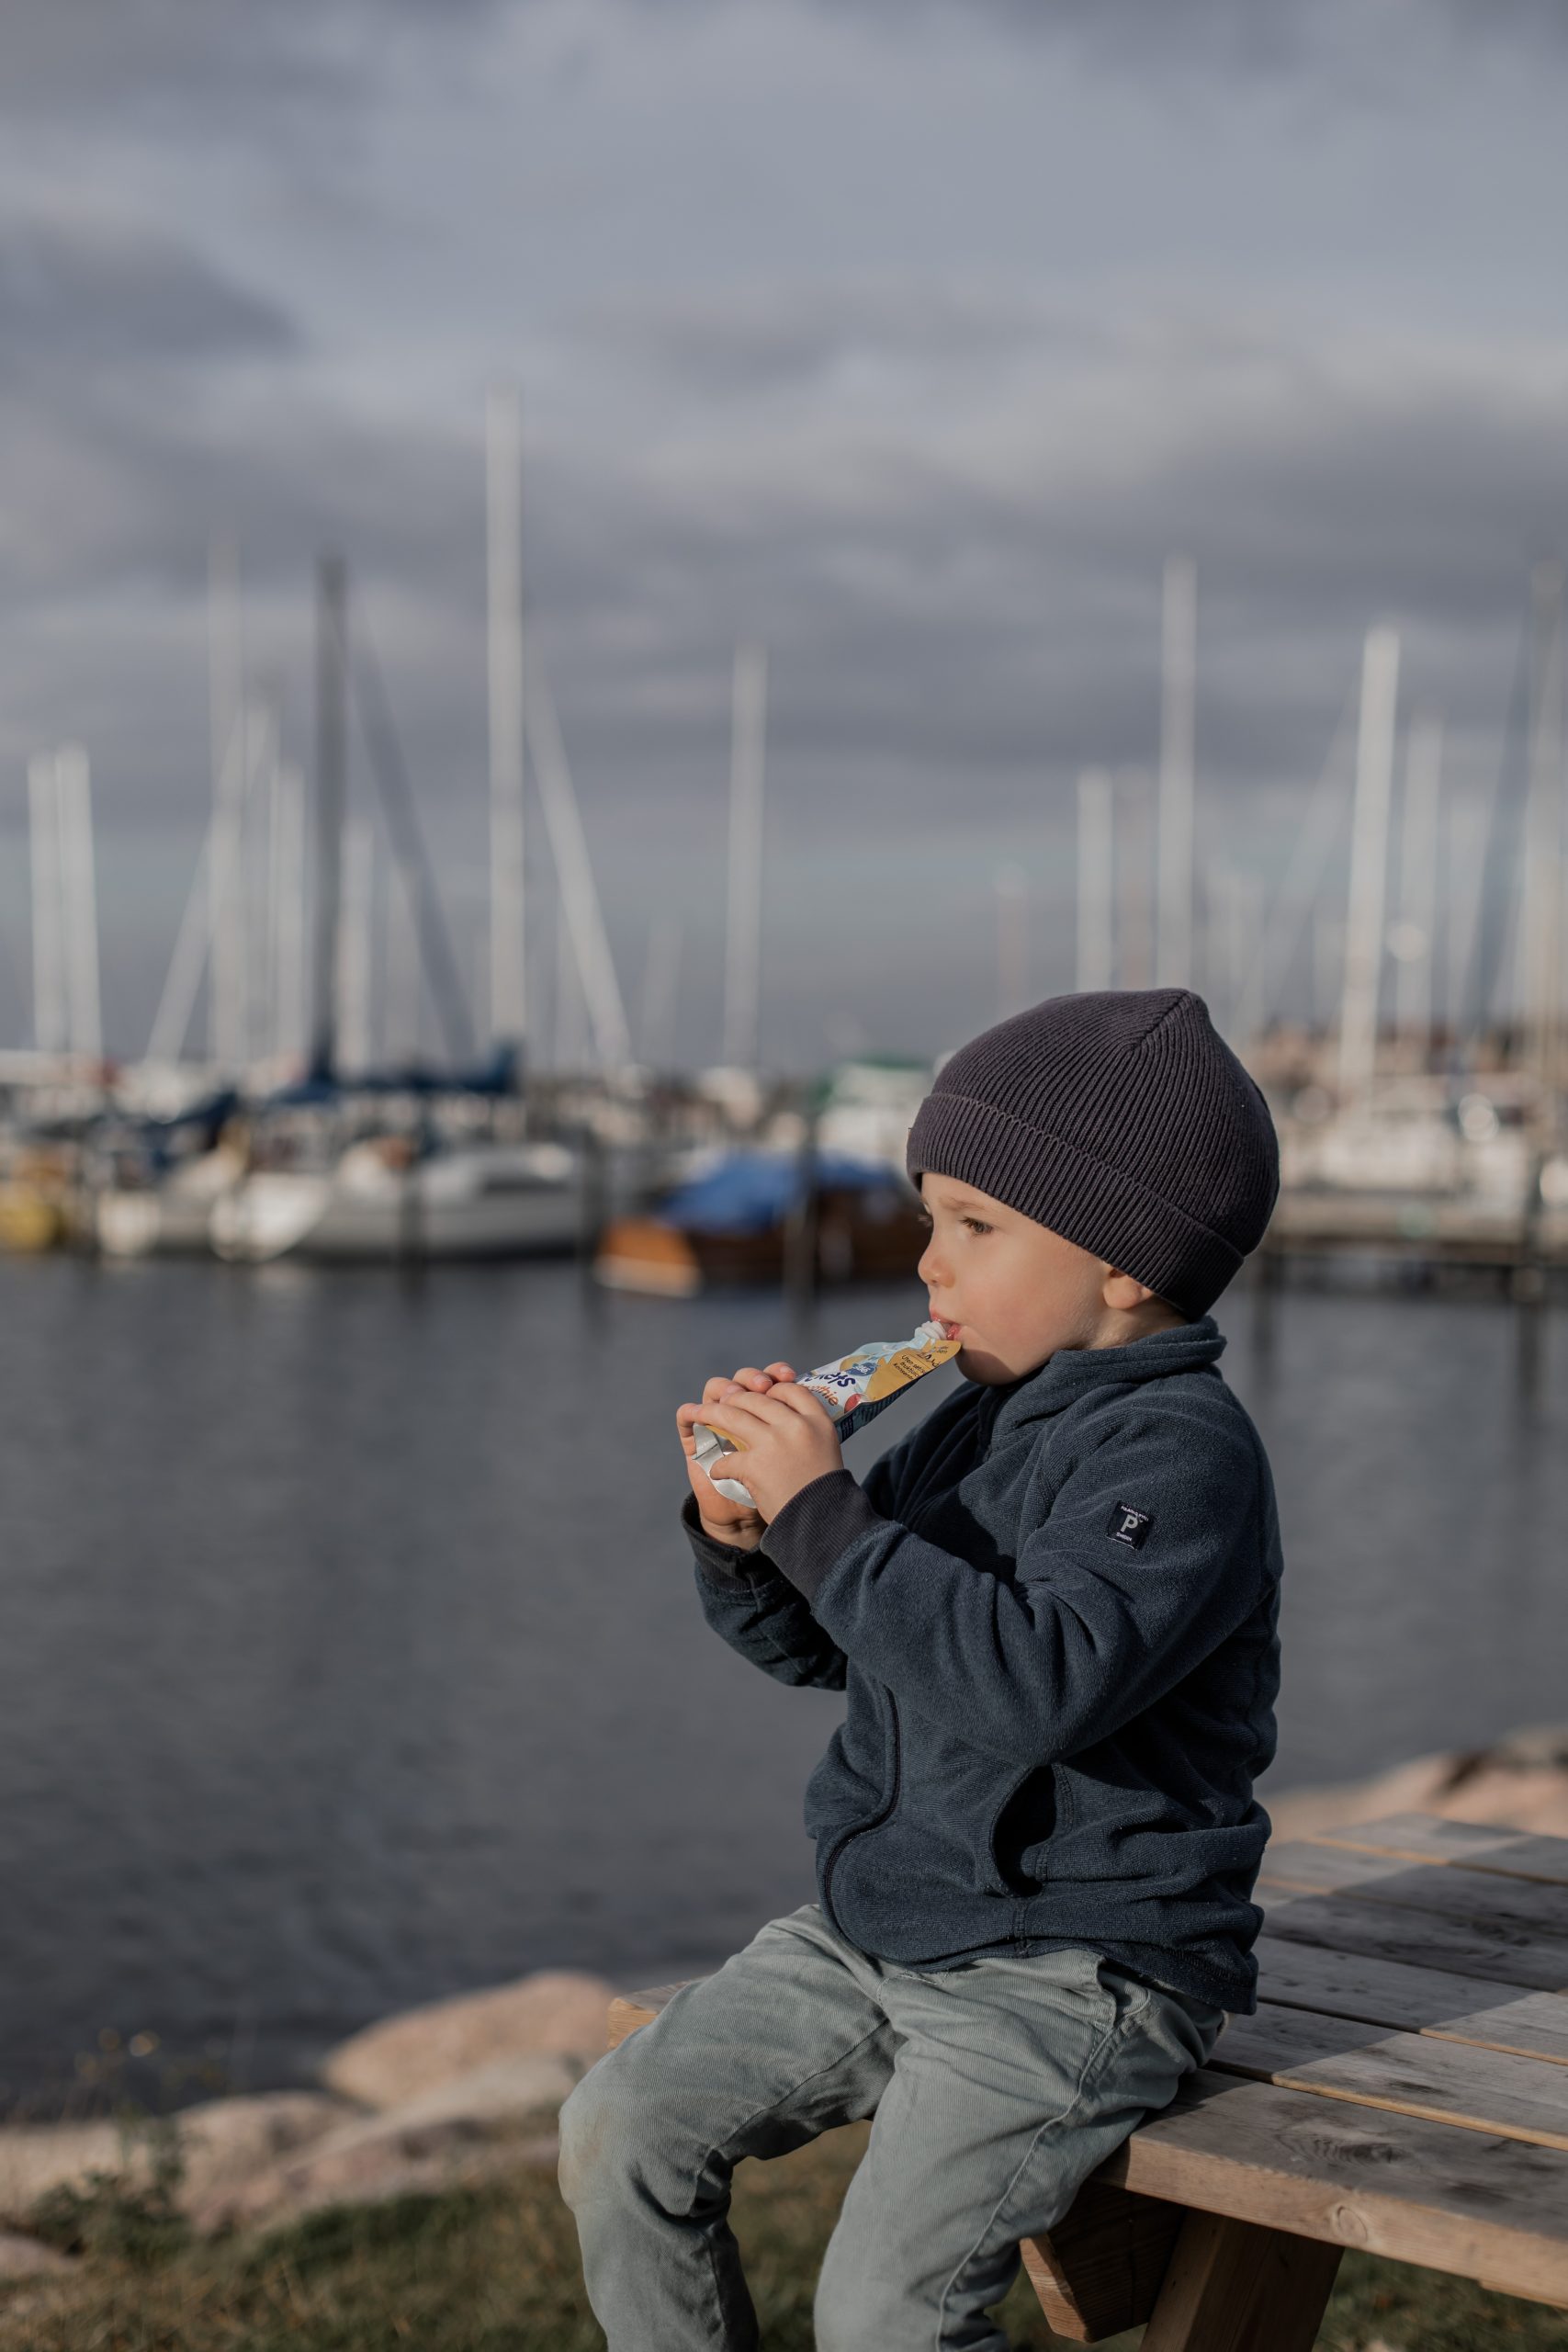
1022	1827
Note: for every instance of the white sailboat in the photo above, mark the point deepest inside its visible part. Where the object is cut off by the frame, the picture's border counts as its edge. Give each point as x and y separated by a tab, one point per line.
173	1217
379	1203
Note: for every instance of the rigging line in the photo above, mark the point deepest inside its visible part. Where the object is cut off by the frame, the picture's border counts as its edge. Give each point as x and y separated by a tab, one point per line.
391	771
574	871
193	943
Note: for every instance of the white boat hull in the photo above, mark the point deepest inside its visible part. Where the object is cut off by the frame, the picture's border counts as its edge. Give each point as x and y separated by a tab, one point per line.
169	1219
464	1206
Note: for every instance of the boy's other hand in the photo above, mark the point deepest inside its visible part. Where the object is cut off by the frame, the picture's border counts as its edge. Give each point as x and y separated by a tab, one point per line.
731	1522
789	1440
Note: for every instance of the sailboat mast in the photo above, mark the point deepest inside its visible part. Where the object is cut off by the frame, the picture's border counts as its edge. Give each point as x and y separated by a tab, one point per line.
332	780
743	940
1413	1001
286	992
226	690
504	539
1539	933
1012	885
79	901
1179	683
1097	880
1369	862
48	958
353	1044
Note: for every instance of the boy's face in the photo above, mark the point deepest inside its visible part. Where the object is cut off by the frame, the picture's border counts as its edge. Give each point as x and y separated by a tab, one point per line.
1017	1290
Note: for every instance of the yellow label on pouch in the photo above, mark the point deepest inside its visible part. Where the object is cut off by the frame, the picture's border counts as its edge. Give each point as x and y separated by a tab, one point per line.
867	1377
896	1372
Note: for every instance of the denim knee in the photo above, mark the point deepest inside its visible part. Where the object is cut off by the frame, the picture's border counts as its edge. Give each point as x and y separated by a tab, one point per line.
610	2126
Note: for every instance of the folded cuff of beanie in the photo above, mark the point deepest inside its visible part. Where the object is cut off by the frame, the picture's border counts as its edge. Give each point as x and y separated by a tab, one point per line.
1104	1211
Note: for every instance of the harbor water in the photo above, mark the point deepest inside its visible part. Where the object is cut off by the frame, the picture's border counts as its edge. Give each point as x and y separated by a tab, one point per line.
351	1656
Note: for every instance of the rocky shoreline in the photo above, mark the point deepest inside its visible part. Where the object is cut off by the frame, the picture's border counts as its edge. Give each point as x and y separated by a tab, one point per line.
447	2096
465	2090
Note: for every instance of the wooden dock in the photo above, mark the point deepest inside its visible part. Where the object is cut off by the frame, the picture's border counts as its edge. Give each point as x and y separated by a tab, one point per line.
1438	1229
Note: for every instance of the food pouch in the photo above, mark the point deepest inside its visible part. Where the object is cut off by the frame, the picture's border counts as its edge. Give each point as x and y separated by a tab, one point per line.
854	1390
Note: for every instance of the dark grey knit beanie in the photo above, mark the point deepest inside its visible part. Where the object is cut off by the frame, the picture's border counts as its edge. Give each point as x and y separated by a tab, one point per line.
1124	1122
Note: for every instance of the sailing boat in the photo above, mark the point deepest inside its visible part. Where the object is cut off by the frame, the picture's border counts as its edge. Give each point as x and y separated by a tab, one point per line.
733	1218
382	1200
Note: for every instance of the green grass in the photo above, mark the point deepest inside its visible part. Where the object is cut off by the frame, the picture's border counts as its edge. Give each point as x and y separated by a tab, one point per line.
496	2271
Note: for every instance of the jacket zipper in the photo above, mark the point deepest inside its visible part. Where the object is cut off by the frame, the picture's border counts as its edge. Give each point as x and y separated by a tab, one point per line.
865	1827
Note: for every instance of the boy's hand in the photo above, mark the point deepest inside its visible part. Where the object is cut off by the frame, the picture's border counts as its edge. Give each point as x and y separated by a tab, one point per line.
731	1522
789	1440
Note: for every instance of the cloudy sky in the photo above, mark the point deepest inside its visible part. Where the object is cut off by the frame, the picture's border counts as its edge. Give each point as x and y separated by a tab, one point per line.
907	337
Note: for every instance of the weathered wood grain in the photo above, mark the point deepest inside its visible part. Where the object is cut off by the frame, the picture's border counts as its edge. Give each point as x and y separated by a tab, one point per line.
1453	1890
1099	2271
1360	1923
1233	2287
1432	2194
1394	1994
1429	1837
1406	2074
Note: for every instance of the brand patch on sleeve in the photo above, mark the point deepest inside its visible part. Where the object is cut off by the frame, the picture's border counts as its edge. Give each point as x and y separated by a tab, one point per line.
1129	1526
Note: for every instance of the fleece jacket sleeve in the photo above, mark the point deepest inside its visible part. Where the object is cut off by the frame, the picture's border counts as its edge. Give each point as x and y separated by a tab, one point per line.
1089	1629
759	1613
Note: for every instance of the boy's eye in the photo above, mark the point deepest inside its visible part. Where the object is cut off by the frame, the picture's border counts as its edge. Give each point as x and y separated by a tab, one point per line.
976	1222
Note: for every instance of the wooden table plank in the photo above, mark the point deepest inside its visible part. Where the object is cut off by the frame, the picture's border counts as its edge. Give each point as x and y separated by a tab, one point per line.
1394	1994
1415	2191
1479	1846
1453	1890
1406	2074
1424	1938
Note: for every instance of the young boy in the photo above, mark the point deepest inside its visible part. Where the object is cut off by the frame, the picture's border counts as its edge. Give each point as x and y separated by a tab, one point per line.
1053	1610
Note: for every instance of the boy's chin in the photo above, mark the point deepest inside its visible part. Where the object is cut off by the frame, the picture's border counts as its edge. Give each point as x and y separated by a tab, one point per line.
978	1364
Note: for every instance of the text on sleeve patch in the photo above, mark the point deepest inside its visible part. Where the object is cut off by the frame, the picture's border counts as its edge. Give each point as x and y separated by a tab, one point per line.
1129	1526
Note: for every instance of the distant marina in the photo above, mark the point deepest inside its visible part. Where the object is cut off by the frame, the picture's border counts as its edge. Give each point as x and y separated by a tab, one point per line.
1398	989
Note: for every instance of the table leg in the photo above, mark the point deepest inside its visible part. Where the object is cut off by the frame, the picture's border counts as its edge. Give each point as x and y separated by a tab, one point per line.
1235	2287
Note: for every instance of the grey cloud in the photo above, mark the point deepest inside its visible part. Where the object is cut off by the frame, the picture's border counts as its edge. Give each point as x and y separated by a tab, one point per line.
977	600
85	288
778	339
160	58
960	597
1345	41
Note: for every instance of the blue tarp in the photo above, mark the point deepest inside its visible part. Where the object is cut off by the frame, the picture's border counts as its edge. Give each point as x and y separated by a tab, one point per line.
749	1191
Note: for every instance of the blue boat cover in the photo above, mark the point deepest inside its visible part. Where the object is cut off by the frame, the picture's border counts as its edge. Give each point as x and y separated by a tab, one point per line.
748	1192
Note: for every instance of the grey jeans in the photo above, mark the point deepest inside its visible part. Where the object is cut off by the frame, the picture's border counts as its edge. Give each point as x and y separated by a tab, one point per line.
997	2087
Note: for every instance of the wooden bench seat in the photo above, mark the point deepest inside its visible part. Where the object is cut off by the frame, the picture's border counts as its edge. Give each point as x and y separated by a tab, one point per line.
1402	2089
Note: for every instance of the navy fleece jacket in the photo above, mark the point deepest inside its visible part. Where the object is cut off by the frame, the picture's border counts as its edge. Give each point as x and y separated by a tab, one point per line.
1053	1608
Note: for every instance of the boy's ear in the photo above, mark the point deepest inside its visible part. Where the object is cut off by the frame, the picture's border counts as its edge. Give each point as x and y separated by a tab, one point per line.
1121	1290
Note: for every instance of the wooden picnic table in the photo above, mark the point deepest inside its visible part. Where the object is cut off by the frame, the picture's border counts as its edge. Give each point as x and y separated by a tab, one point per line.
1402	2088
